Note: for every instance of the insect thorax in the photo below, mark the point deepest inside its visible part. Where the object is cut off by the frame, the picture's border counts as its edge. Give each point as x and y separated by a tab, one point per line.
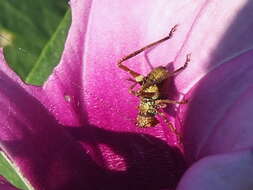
156	76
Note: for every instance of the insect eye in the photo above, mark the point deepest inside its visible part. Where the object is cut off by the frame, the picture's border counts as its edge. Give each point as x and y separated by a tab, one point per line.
144	80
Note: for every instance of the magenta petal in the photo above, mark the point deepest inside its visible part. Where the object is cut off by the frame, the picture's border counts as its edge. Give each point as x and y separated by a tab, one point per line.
100	34
217	35
231	171
46	156
219	115
88	90
117	29
49	158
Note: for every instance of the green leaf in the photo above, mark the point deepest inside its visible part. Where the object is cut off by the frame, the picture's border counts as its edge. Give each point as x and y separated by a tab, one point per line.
35	32
10	173
51	54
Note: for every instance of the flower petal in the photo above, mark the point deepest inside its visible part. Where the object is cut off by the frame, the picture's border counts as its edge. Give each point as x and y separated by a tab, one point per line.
87	85
147	161
116	30
216	36
49	158
45	154
219	115
103	84
98	35
232	171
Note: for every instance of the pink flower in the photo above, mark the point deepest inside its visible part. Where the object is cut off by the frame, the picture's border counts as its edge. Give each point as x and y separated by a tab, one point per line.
78	131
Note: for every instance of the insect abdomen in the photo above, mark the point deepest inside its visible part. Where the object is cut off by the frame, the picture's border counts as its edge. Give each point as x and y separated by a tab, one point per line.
144	121
147	112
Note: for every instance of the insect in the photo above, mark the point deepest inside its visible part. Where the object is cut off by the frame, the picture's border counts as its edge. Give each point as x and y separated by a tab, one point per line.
149	92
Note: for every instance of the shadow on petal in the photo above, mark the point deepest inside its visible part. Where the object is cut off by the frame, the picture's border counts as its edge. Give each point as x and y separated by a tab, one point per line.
149	163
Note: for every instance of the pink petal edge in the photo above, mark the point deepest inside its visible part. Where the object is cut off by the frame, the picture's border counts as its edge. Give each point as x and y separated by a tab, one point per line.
231	171
224	97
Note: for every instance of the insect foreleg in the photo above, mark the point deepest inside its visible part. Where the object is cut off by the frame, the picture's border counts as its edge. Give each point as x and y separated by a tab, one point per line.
130	71
187	61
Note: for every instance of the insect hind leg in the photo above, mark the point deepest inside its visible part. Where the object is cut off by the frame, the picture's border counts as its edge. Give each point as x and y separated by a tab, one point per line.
171	126
167	101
